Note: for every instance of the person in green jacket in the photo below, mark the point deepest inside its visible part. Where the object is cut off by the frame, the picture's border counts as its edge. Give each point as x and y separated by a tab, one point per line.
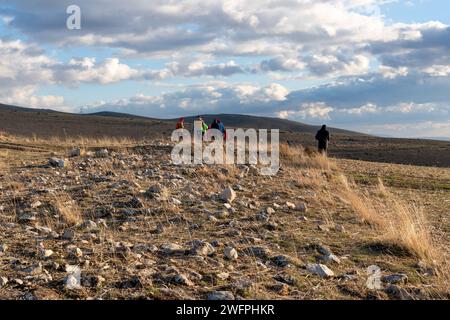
204	126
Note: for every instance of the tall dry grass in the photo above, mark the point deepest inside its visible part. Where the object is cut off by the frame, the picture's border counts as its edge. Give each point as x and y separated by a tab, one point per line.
70	141
297	157
68	211
398	222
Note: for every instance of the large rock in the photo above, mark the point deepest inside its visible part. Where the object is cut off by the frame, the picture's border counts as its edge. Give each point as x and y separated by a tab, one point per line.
228	195
319	269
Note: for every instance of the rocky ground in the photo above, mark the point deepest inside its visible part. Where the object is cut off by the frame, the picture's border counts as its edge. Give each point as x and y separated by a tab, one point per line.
138	227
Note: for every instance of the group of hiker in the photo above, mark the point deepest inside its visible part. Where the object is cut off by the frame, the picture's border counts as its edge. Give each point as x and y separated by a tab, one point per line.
216	124
322	136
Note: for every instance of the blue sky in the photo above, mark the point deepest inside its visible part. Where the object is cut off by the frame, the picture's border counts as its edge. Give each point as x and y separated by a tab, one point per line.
376	66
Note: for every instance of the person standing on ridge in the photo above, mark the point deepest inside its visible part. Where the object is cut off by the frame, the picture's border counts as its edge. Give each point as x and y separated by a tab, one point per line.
323	137
222	129
203	126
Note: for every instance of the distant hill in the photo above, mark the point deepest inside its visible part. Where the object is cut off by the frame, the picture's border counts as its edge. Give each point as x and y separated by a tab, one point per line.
24	121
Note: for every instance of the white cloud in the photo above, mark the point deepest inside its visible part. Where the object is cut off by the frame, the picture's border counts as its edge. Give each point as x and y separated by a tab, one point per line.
316	110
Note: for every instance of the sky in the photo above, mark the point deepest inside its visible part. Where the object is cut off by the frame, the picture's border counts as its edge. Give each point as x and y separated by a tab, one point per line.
376	66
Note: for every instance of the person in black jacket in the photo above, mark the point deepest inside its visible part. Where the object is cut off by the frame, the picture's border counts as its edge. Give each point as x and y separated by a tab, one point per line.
215	125
323	136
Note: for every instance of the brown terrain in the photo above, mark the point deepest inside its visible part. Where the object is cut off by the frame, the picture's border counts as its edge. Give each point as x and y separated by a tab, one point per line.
100	193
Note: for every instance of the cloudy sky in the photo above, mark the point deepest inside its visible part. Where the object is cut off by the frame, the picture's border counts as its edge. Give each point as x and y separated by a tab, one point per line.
376	66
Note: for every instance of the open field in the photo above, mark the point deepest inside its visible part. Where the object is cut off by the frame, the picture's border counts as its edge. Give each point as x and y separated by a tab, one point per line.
142	228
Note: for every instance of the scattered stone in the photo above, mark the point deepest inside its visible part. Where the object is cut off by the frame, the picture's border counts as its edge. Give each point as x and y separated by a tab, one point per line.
230	253
202	248
331	258
262	216
36	204
272	226
425	269
290	205
68	234
260	252
3	248
285	278
270	210
228	195
223	276
3	281
34	269
221	214
398	293
103	153
27	217
75	152
319	269
171	249
280	261
280	288
301	207
220	295
46	253
18	282
57	163
347	277
323	228
212	218
396	278
89	225
181	279
75	252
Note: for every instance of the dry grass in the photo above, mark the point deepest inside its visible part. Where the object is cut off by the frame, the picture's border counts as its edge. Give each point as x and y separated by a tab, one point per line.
361	204
297	157
71	142
67	210
399	223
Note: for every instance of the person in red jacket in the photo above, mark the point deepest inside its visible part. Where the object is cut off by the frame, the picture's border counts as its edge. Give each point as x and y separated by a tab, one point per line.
180	124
